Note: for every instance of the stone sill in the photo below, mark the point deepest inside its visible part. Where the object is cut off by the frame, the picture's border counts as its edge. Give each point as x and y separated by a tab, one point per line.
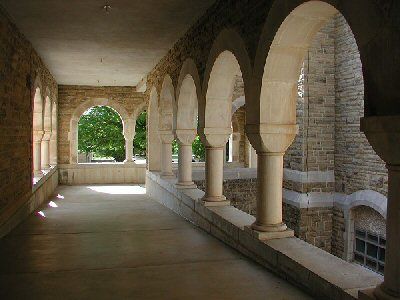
105	165
319	273
44	178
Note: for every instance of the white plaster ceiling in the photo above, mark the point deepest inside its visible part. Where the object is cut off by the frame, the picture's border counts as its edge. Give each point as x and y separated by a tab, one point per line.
83	45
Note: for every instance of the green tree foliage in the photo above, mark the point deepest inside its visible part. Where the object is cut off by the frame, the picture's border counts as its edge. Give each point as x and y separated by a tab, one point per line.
140	140
100	132
198	149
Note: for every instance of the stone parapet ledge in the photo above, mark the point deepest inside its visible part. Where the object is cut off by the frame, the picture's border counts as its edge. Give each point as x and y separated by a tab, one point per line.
42	179
319	273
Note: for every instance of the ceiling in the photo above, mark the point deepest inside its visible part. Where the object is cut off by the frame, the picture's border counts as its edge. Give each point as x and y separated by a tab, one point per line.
81	44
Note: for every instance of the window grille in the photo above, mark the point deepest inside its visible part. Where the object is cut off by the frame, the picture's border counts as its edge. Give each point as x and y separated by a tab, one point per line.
369	250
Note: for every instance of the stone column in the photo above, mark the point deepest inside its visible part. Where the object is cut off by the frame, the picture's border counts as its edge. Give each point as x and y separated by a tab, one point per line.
45	151
270	142
186	138
53	149
215	140
236	147
383	133
129	133
166	154
37	141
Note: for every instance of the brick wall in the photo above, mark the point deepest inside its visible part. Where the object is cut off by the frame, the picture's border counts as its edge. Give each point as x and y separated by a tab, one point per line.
21	68
70	97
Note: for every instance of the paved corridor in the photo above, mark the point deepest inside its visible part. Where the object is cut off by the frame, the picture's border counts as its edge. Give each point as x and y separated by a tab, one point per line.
112	242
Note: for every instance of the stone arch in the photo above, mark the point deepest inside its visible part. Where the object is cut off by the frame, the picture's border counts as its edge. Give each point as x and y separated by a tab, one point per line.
166	105
228	58
153	137
287	34
238	103
372	199
187	95
73	131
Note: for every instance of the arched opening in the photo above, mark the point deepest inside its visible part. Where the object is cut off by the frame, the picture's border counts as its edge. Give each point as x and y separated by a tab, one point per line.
313	79
54	135
100	136
47	127
140	139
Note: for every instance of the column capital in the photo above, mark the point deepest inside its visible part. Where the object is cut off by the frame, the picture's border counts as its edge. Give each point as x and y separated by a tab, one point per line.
186	136
215	137
166	136
38	135
46	136
271	137
383	133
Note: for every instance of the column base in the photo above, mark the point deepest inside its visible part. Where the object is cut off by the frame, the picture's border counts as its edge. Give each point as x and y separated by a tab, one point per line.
215	201
186	185
269	235
269	227
129	162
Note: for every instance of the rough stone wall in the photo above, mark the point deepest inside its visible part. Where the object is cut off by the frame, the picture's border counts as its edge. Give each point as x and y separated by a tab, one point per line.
21	68
70	97
338	230
357	167
313	225
240	116
369	219
313	147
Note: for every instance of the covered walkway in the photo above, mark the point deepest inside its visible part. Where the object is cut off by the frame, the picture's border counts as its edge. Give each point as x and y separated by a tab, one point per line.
113	242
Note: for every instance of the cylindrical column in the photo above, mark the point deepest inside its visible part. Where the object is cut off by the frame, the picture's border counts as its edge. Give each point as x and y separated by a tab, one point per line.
214	174
166	159
37	152
390	288
185	166
45	153
269	192
128	150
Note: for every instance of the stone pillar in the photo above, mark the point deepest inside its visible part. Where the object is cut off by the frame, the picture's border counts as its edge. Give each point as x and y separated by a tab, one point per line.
37	141
45	151
270	142
166	154
129	133
383	133
53	149
186	138
215	140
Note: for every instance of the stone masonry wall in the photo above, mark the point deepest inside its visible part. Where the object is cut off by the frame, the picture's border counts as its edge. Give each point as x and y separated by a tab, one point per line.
313	225
357	167
70	97
21	70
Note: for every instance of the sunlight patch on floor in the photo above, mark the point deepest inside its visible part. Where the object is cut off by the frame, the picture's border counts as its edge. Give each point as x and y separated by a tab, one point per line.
119	189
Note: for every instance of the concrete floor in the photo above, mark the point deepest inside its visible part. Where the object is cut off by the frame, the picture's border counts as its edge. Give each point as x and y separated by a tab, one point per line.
112	242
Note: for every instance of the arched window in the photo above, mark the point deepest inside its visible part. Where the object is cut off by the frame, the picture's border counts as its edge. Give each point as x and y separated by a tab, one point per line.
100	136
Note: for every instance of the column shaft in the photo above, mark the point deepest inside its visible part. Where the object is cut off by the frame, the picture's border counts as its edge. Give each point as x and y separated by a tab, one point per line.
36	157
269	192
166	160
45	154
185	165
128	150
390	288
214	174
